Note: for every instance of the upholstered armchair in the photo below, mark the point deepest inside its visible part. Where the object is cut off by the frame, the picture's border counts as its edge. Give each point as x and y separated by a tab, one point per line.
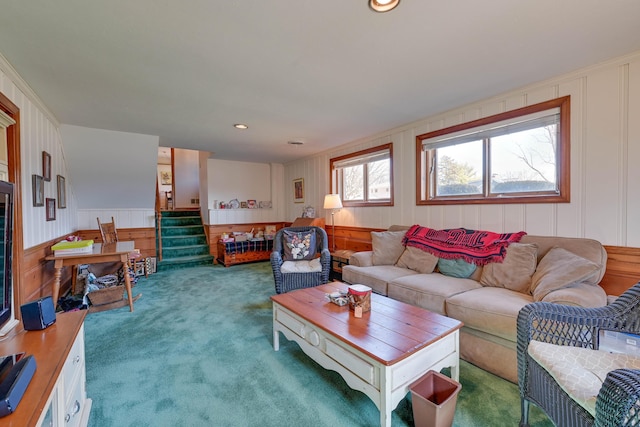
300	258
562	370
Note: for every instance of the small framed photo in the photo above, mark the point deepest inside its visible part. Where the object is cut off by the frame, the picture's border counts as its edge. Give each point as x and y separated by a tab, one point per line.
165	177
46	166
251	204
298	190
37	188
62	192
243	205
51	209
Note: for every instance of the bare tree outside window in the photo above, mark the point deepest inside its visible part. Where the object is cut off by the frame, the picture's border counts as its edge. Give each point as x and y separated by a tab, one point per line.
364	178
520	156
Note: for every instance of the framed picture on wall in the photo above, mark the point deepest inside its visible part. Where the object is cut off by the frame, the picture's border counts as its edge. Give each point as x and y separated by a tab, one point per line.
298	190
62	192
46	166
165	177
37	188
51	209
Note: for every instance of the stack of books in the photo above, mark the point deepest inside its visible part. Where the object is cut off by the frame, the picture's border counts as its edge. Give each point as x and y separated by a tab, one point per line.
72	248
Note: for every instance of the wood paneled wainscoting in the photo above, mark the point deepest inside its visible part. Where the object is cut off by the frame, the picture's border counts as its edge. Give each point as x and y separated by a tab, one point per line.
623	263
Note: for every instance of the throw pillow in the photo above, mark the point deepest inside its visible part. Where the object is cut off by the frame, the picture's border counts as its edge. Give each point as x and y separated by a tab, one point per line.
558	269
387	246
299	245
456	267
417	260
515	271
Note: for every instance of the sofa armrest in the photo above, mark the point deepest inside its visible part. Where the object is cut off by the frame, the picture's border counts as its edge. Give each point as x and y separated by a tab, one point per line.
362	259
580	294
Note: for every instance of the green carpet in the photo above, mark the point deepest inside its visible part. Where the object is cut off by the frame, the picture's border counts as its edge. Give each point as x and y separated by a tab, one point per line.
197	351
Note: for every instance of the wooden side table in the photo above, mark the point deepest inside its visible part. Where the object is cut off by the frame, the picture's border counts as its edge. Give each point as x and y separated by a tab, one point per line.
339	259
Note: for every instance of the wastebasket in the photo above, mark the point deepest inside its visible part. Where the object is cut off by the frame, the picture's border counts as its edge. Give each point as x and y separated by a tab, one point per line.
434	398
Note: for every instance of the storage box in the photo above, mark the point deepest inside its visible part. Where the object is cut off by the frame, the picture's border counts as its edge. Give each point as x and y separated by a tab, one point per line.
434	398
106	295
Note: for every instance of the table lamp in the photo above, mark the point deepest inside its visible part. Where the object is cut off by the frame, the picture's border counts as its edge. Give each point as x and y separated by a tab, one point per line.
333	202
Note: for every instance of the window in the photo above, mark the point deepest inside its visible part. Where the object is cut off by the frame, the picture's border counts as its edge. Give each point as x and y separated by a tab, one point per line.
521	156
364	178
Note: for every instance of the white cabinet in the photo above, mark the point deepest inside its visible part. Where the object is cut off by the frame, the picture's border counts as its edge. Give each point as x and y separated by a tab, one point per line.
69	406
56	395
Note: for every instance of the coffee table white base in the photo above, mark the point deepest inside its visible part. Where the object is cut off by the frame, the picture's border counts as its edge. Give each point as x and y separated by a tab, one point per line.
385	385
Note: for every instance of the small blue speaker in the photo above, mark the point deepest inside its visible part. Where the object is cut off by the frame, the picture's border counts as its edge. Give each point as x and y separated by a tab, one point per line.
38	314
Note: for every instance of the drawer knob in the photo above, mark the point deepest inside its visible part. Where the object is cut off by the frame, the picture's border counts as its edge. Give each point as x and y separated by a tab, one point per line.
313	338
77	359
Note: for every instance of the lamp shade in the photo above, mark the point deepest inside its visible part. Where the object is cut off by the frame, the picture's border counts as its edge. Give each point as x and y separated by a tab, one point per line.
332	201
383	5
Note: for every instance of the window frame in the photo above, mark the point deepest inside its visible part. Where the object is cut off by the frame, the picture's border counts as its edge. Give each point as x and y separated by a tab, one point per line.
424	180
336	186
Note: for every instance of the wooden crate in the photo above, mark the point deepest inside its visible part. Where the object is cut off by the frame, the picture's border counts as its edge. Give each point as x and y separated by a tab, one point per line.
106	295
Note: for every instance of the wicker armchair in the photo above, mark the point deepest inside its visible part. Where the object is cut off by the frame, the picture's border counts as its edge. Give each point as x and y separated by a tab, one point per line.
288	281
617	403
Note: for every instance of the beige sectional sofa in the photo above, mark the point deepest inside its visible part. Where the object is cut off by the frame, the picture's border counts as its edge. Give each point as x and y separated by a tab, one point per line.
538	268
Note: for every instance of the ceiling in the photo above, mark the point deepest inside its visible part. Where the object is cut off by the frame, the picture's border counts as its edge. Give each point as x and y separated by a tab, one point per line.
324	73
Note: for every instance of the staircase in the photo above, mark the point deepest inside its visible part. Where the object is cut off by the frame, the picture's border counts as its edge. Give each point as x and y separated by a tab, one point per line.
184	243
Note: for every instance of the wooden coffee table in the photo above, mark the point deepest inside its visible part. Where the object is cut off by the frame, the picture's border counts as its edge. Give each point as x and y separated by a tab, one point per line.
380	354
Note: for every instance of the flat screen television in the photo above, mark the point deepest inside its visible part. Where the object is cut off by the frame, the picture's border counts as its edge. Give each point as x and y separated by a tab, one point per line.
7	318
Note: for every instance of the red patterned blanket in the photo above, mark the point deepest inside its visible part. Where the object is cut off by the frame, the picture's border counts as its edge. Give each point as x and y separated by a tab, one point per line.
474	246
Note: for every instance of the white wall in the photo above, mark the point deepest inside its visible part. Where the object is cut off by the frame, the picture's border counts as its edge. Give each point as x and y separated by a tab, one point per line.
228	180
38	132
605	152
187	179
114	175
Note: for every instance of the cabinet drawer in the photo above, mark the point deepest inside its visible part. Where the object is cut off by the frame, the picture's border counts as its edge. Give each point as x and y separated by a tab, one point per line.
74	405
75	360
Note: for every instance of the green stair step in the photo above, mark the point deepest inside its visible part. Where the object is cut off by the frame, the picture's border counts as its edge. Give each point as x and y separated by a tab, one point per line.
184	262
180	221
166	214
184	242
189	230
182	251
188	240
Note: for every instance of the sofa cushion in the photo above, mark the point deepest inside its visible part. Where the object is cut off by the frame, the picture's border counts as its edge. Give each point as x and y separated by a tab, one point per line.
418	260
559	269
299	245
387	246
579	294
376	277
515	271
579	371
429	291
456	267
586	248
488	309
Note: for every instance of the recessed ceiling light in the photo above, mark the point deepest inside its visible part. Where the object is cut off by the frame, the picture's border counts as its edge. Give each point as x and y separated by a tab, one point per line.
295	142
240	126
383	5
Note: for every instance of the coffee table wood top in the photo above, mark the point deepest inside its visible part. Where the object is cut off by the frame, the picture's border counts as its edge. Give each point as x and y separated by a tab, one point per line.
390	332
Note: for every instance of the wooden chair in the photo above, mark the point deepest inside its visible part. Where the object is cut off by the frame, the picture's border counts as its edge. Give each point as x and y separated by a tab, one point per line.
108	231
137	262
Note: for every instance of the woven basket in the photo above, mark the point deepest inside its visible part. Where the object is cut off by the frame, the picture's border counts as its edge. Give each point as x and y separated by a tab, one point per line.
106	295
